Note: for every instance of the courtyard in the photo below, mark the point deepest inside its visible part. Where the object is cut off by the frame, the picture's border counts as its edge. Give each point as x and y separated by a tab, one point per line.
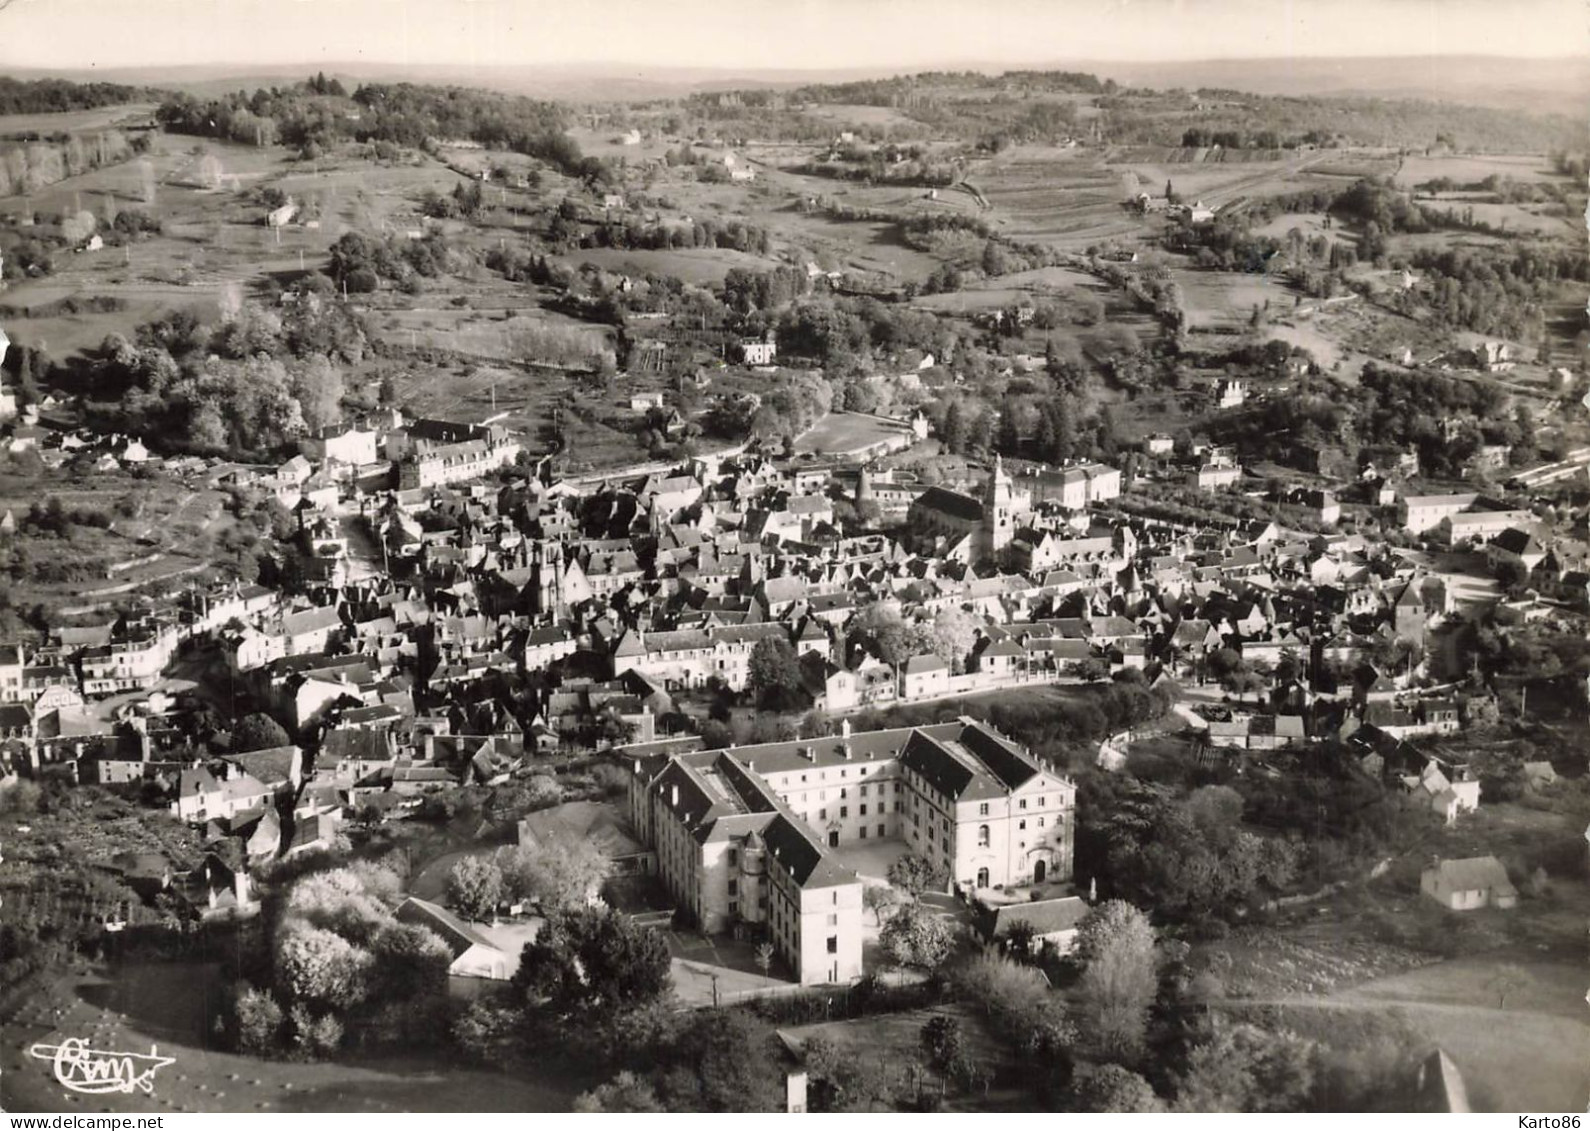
871	859
710	970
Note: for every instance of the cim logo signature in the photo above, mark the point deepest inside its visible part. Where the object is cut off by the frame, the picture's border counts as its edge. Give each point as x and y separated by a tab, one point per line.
93	1071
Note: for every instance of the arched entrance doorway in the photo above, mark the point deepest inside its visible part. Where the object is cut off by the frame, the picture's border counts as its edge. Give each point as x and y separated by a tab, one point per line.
982	877
1038	871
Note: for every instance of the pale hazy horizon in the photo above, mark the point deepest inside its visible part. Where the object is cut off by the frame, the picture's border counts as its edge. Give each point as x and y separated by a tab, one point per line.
79	35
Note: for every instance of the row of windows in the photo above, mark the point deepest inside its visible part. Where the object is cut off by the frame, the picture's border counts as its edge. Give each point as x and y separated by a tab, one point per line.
844	811
1021	803
861	771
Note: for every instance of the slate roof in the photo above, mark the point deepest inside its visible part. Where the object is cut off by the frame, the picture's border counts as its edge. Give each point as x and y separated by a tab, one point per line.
952	503
454	932
1047	917
271	766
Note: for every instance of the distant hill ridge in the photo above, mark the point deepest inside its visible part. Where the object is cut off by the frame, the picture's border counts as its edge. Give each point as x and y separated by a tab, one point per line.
1561	85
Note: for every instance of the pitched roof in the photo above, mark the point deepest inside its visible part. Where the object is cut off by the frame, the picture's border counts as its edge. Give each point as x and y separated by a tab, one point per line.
595	821
1047	916
977	763
269	766
310	620
1441	1087
952	503
454	932
1477	873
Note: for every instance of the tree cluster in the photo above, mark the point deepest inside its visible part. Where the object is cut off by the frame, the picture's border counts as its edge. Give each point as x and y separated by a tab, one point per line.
341	966
256	382
1189	859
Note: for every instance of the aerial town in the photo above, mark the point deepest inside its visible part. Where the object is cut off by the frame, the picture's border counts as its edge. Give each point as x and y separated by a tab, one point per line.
956	592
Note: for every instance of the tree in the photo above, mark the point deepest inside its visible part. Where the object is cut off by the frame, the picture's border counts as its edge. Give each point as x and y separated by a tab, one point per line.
1018	938
995	261
882	900
727	1060
410	963
942	1041
594	958
207	430
764	957
1116	946
1505	980
489	1029
314	1035
257	1021
258	732
1019	1001
1093	669
953	432
1247	1069
916	937
625	1092
891	637
1501	774
317	384
1109	1088
914	875
475	887
27	384
774	671
319	967
952	636
561	873
839	1080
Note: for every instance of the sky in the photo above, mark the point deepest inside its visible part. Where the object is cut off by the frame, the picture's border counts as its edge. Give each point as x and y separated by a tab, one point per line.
744	35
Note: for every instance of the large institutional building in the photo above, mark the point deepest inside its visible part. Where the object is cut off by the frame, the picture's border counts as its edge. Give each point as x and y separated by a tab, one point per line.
748	835
989	527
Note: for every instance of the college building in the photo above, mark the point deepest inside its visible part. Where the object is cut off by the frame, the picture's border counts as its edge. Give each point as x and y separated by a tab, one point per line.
751	835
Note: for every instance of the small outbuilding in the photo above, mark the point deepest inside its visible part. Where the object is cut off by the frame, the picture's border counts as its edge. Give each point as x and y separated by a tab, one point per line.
474	956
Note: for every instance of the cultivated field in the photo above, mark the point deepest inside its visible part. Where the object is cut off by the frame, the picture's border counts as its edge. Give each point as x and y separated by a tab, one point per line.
702	266
1063	198
1471	168
1221	300
846	114
75	121
840	433
489	334
1541	219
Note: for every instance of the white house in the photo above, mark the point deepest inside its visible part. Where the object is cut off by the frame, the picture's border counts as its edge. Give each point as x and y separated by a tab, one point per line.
758	351
1464	885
